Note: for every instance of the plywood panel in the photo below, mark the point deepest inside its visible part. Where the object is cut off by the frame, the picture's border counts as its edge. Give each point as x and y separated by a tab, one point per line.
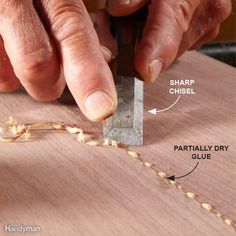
68	188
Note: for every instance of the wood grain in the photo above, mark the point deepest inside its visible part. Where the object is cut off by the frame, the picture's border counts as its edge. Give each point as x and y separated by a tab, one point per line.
68	188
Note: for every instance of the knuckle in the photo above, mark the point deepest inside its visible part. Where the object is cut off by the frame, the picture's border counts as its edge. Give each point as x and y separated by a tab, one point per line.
166	52
31	65
182	12
223	9
9	7
68	20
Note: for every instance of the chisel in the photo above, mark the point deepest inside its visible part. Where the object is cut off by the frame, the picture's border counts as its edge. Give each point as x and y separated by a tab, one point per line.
126	124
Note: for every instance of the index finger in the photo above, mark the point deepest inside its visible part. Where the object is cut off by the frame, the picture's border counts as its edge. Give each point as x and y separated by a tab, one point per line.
86	72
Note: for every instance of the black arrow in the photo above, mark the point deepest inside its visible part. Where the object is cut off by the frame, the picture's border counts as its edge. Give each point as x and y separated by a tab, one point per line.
173	178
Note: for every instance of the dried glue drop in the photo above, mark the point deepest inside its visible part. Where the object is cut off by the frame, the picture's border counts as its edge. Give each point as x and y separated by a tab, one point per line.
57	126
228	221
190	195
114	144
106	142
206	206
147	164
11	121
93	143
161	174
81	137
27	135
12	129
132	153
20	128
73	130
6	140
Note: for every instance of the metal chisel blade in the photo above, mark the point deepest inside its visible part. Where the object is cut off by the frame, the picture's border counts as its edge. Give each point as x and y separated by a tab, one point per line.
126	124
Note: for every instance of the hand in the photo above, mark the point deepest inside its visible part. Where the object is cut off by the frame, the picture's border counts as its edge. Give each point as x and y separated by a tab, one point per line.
173	26
38	37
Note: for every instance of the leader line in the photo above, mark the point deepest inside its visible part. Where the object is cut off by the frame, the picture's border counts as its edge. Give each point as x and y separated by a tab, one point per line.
173	177
155	110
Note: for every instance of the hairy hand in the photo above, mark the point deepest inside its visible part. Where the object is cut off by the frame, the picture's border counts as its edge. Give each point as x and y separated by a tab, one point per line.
40	39
173	26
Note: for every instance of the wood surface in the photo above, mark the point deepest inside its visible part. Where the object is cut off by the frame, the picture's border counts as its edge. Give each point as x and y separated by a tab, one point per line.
72	189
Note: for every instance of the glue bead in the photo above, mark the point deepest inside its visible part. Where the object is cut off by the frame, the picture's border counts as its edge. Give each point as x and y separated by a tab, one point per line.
114	144
106	142
206	206
162	174
57	126
11	121
73	130
27	135
132	153
147	164
93	143
190	195
228	221
81	137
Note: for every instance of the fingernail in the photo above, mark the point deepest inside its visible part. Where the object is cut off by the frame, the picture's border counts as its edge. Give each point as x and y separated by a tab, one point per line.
155	69
99	105
107	54
125	2
117	3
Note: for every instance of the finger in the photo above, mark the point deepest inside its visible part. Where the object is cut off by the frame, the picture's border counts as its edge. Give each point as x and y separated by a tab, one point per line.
210	35
198	42
166	23
197	36
207	17
107	41
124	7
8	80
86	72
30	51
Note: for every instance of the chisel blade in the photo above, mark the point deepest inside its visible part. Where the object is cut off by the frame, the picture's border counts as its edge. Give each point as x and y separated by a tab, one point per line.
126	124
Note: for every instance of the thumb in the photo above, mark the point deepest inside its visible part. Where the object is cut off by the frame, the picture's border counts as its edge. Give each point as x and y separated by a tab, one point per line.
167	21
